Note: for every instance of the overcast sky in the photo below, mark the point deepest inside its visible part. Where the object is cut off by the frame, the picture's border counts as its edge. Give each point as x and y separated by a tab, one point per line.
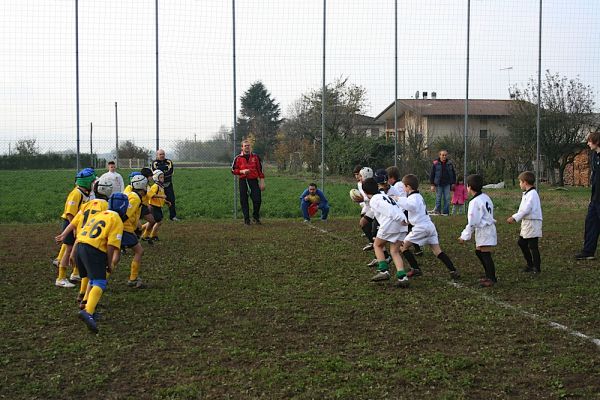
278	42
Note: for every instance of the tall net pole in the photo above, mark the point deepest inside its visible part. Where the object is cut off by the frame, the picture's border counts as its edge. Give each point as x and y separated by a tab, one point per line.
323	101
156	71
235	180
539	102
395	83
467	86
77	75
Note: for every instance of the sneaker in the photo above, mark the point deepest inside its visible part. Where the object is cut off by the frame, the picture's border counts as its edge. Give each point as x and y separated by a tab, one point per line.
246	222
368	247
486	282
63	283
444	215
402	282
257	221
433	212
97	316
136	283
414	272
175	219
454	274
373	263
584	256
75	278
381	276
55	262
88	319
307	220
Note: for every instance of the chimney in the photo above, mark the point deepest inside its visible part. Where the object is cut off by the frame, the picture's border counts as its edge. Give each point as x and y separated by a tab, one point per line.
424	95
433	95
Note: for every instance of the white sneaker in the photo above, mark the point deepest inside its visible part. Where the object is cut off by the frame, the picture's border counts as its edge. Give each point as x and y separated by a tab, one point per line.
63	283
381	276
368	247
373	263
55	262
75	278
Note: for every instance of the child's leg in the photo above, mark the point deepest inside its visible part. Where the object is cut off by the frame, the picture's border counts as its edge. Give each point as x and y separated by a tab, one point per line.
524	245
454	209
61	253
64	262
366	224
155	229
397	257
461	208
535	253
412	261
437	250
485	256
383	272
138	251
73	263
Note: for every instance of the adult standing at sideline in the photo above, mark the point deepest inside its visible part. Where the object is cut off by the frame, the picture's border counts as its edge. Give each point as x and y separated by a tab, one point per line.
442	179
248	167
592	219
166	166
114	177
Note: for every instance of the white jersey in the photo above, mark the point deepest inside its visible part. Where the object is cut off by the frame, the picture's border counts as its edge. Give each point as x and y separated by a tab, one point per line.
399	187
117	181
417	210
481	221
366	209
394	193
530	207
389	215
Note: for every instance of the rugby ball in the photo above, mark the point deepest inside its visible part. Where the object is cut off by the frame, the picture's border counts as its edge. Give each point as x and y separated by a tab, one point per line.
313	198
355	195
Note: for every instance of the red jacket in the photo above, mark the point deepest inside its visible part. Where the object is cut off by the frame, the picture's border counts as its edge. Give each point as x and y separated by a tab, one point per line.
253	163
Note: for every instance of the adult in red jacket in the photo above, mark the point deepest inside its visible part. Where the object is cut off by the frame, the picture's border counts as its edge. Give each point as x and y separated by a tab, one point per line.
248	167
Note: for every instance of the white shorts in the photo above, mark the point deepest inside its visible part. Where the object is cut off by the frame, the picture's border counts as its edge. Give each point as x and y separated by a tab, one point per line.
486	236
423	235
531	228
392	237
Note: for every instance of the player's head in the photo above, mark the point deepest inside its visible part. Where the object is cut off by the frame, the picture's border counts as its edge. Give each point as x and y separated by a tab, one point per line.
312	188
460	179
158	176
85	178
118	202
139	182
365	173
111	166
147	172
594	138
475	183
411	182
133	174
369	186
393	174
381	176
528	177
356	172
103	188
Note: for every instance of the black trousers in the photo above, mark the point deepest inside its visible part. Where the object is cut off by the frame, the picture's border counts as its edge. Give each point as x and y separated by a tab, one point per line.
250	187
170	193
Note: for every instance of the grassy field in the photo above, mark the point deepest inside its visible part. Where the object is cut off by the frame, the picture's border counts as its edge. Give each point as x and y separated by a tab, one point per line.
286	310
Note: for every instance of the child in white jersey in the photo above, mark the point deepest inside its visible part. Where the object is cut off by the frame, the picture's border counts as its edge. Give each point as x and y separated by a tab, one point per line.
481	221
394	179
392	229
423	231
530	215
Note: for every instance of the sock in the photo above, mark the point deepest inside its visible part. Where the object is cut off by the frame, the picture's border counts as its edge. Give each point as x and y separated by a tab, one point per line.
135	270
446	260
75	270
382	266
523	244
84	284
61	253
93	299
145	233
62	272
488	264
400	274
412	261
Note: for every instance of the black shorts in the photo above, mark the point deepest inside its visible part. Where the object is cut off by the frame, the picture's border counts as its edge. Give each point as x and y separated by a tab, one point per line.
145	210
157	213
92	260
129	240
70	238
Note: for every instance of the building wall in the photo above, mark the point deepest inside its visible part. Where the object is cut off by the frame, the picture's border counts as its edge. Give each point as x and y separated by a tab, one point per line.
578	173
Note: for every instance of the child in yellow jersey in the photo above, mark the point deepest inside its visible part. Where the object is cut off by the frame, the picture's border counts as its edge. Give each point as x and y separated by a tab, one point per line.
98	251
75	199
157	201
139	185
102	190
146	212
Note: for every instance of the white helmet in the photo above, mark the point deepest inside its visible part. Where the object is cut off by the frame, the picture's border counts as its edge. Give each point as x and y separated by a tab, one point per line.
139	182
156	174
104	186
366	173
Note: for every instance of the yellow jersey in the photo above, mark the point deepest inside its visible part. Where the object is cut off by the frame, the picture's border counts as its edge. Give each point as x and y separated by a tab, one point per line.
156	201
145	198
133	212
88	209
74	201
101	230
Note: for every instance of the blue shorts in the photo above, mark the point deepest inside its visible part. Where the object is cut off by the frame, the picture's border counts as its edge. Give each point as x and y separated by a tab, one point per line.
91	260
145	210
129	240
70	238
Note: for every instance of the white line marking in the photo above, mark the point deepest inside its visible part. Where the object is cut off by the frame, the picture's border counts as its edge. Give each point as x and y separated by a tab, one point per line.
503	304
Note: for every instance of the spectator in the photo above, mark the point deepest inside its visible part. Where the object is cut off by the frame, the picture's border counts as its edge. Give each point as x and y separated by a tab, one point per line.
166	166
248	167
311	200
442	179
114	177
592	219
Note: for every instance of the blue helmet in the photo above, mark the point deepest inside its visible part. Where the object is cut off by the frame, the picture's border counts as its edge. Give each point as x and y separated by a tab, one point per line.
380	176
85	178
134	173
119	203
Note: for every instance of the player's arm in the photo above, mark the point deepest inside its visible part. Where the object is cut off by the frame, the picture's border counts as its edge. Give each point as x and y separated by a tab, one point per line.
113	255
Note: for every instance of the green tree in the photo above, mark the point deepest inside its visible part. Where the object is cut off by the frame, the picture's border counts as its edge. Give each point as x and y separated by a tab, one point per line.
129	150
259	115
27	148
566	115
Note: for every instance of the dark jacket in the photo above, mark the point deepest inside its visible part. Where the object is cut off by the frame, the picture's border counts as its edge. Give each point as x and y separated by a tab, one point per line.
442	174
595	179
166	166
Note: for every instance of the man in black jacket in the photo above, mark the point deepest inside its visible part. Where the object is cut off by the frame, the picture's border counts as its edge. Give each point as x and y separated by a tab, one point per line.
442	179
166	166
592	219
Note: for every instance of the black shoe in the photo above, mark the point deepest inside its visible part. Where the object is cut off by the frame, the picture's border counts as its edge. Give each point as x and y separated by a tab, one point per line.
584	256
257	221
527	269
247	221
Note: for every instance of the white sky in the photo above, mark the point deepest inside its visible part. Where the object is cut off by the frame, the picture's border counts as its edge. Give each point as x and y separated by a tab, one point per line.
278	42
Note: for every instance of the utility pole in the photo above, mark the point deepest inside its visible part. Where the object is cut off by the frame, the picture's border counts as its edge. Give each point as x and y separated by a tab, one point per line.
117	133
91	145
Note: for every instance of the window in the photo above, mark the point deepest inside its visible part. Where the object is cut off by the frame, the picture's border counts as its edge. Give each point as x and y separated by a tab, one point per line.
483	134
